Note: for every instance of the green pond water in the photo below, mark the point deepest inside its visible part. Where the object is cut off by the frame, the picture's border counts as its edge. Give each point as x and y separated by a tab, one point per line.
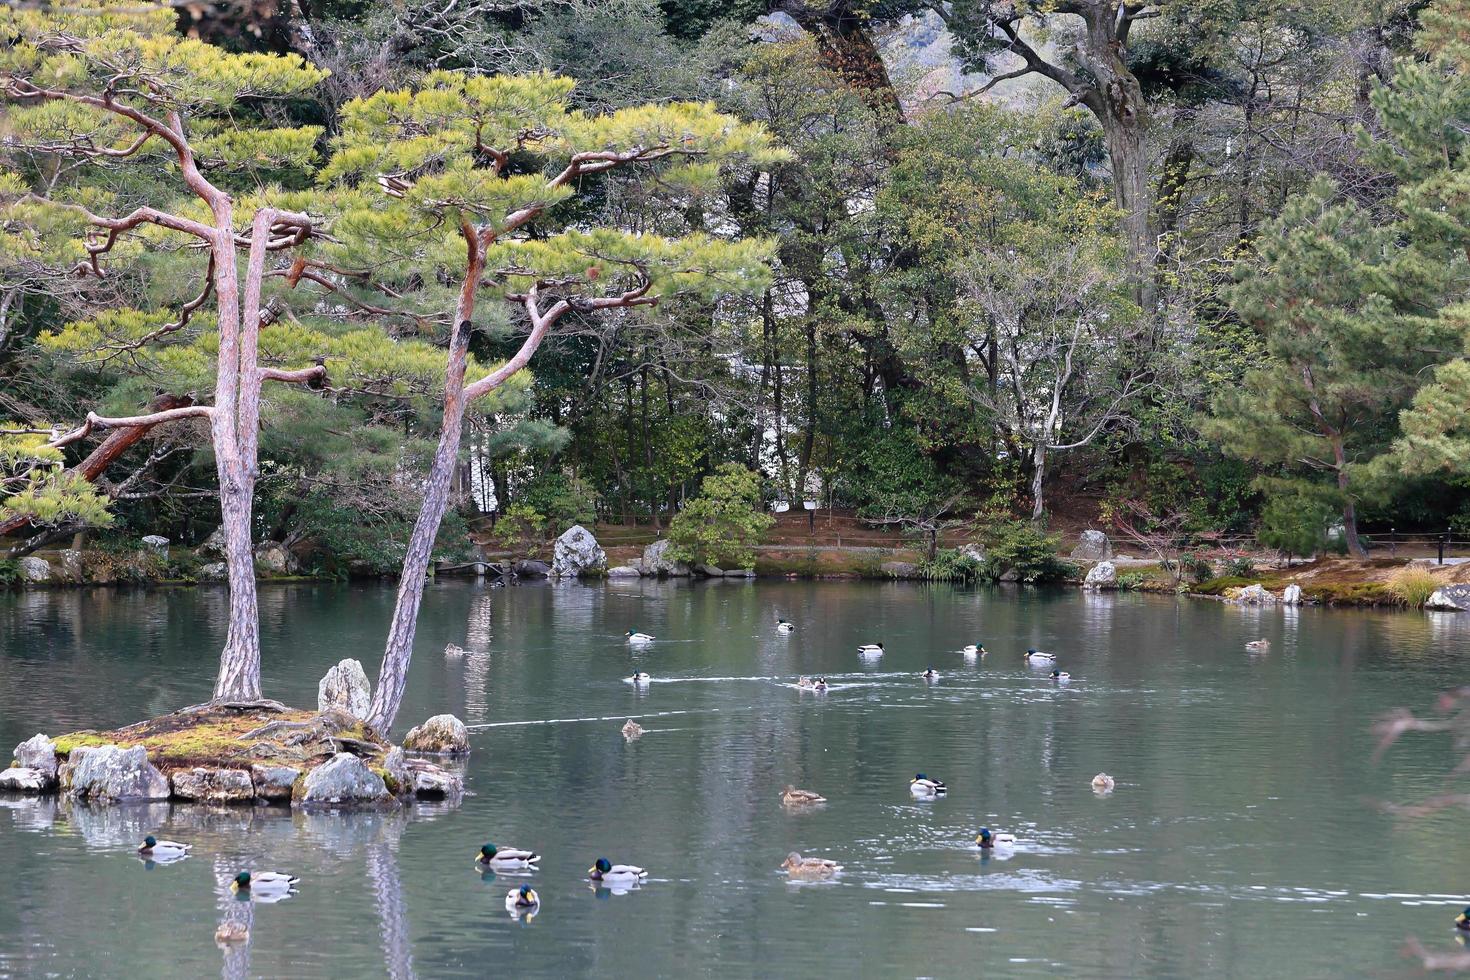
1245	837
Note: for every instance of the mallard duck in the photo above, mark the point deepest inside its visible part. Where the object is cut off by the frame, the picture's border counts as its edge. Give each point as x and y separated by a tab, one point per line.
987	841
454	650
973	650
784	626
232	932
820	684
1462	921
1060	676
805	683
1258	645
931	675
264	883
639	677
506	858
924	787
798	866
1034	656
871	650
636	637
163	850
1103	783
605	870
792	796
522	900
631	729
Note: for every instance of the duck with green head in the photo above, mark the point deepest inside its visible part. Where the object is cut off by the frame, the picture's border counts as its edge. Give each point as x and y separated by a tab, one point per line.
1462	921
266	883
506	858
522	900
163	850
605	870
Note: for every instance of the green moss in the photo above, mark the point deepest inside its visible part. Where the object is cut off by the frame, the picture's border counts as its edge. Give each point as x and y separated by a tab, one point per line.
65	743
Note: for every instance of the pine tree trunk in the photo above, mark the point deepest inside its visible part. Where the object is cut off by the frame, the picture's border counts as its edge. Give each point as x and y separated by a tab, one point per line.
1038	479
239	661
393	675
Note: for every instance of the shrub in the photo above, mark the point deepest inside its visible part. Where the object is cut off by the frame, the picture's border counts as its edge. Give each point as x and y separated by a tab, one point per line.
522	529
1295	524
950	565
1412	586
1197	567
722	525
562	501
1132	581
9	574
1240	567
1026	549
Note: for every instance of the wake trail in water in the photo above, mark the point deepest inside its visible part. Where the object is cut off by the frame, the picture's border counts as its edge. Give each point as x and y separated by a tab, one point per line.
617	717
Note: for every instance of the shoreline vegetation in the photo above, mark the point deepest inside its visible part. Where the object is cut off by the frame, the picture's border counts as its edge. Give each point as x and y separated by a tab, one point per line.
1323	580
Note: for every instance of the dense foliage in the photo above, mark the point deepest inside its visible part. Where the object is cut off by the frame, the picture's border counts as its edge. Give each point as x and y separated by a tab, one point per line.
1200	269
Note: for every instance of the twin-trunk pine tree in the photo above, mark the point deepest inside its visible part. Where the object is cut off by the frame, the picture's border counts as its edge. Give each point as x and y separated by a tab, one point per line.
141	79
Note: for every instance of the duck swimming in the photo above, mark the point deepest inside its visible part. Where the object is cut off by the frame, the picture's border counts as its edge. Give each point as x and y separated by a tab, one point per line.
229	933
1462	921
871	650
636	637
973	650
1060	676
820	684
791	796
783	626
1258	645
506	858
639	677
1103	783
522	900
605	870
925	788
807	867
632	730
805	683
931	675
988	841
267	883
1034	656
163	850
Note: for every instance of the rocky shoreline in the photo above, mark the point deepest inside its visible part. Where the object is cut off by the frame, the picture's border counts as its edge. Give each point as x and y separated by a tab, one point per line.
254	752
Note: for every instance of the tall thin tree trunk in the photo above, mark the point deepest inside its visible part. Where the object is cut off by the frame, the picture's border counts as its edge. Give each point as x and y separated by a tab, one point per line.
1038	479
237	387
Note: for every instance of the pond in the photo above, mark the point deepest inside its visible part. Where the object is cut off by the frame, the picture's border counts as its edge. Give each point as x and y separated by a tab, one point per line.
1244	838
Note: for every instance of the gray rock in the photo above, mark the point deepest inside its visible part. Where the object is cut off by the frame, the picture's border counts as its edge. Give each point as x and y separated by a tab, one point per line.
71	567
433	783
709	571
207	785
1093	546
741	573
273	782
529	568
1009	575
156	542
214	545
112	774
216	571
656	561
400	782
37	752
972	551
272	558
345	688
1292	595
1255	595
1449	598
900	569
1103	575
344	778
34	570
440	735
24	779
577	553
623	571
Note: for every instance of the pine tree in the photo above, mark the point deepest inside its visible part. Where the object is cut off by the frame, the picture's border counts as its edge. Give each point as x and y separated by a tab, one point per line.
446	194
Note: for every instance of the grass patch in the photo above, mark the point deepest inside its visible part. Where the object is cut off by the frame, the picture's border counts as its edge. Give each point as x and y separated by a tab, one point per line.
1412	586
